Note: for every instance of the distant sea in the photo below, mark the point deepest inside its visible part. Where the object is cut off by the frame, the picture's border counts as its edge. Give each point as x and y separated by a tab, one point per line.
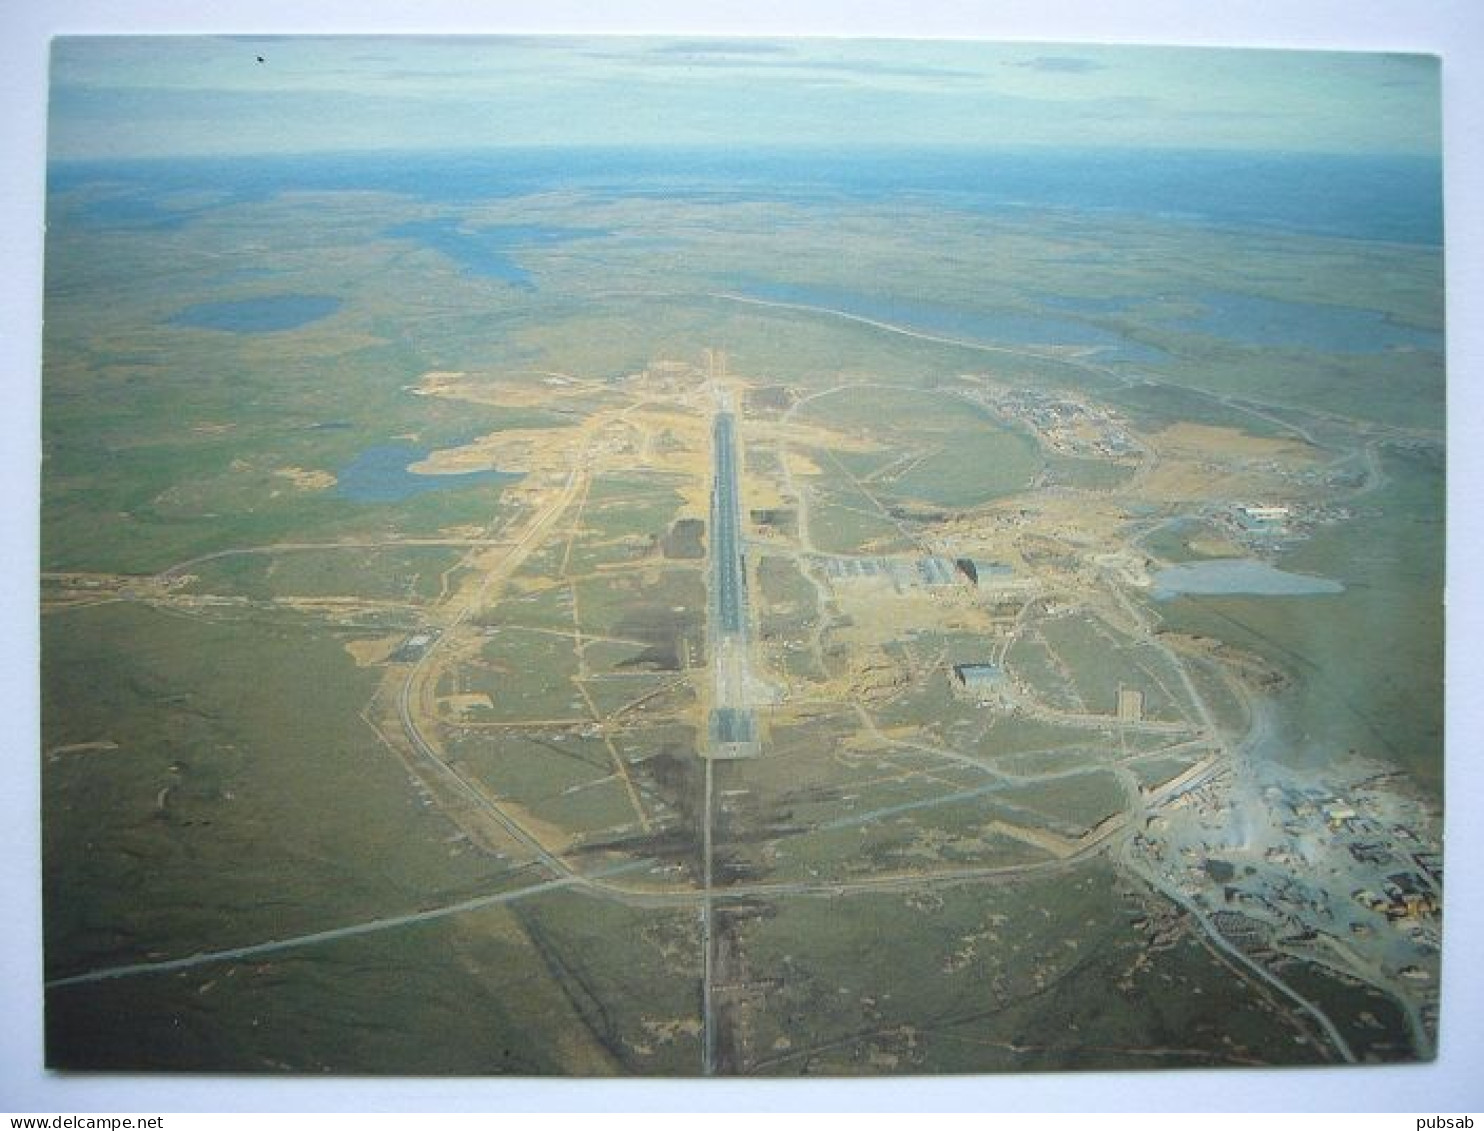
1394	199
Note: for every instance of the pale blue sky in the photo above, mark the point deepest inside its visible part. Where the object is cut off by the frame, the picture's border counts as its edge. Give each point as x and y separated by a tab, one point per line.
190	95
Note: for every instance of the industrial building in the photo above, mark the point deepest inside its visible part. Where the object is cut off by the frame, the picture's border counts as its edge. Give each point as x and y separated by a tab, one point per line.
979	681
980	572
935	571
903	574
1263	519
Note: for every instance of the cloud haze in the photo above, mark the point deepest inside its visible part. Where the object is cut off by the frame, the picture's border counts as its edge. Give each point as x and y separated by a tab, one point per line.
134	96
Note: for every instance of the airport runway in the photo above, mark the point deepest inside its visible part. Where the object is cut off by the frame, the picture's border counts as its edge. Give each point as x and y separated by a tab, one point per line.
727	573
733	724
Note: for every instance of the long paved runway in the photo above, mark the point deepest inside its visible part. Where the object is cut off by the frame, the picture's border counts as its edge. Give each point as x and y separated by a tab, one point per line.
728	576
733	725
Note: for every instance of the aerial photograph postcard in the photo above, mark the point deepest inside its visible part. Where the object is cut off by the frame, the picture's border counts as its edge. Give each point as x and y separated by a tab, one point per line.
634	556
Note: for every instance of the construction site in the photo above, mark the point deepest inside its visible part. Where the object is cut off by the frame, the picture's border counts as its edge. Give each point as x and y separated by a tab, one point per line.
712	653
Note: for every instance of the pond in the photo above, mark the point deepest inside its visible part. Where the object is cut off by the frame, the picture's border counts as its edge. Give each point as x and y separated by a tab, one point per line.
1232	576
380	475
486	251
268	314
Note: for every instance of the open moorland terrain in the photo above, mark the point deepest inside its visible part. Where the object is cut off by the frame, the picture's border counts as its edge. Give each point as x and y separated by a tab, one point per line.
582	628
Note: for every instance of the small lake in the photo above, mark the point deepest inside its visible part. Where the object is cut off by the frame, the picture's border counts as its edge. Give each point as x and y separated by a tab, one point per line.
268	314
486	251
380	475
1013	327
1304	325
1237	576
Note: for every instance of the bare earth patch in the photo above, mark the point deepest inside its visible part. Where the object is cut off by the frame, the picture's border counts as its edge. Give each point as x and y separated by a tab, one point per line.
516	449
307	480
1205	441
368	652
463	704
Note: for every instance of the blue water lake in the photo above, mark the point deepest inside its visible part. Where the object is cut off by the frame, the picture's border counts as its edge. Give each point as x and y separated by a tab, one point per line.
1238	576
487	251
380	475
259	315
1013	327
1304	325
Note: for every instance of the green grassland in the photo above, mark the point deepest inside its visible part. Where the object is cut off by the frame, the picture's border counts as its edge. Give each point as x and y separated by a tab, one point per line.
1370	1020
966	457
1087	474
659	606
225	815
533	767
1051	760
614	694
1165	696
1077	803
1154	772
526	675
1016	976
455	997
1154	406
210	780
783	585
1173	543
1021	736
1034	663
1348	692
1224	702
549	608
407	573
622	521
612	657
1100	662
